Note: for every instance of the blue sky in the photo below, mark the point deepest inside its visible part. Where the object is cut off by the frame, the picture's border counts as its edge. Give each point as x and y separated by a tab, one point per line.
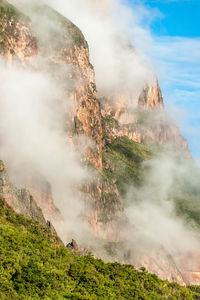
174	26
180	18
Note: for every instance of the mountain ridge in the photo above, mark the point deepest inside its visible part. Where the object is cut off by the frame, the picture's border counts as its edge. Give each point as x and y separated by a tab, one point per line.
123	136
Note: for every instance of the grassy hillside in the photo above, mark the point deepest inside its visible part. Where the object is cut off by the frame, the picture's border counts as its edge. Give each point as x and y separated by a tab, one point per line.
33	265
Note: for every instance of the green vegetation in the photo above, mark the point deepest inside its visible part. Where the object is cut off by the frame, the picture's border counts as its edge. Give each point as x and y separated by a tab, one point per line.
185	192
124	165
10	12
33	265
61	31
123	160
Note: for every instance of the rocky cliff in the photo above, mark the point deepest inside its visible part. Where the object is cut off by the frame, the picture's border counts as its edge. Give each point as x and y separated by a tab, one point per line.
119	127
63	53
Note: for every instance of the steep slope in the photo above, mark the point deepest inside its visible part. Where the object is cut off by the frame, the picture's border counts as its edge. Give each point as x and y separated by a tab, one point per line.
63	53
123	163
120	125
34	265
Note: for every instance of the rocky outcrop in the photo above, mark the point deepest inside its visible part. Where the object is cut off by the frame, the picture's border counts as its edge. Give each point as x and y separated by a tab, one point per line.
19	199
73	246
151	98
142	120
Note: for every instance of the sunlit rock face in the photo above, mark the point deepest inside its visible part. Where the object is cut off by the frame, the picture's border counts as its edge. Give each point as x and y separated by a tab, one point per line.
62	52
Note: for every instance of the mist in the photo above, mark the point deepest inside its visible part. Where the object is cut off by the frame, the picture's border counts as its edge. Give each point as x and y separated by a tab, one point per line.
34	140
153	210
106	26
155	221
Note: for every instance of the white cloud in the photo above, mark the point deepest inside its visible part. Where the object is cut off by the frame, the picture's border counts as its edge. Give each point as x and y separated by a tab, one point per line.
34	141
40	142
106	26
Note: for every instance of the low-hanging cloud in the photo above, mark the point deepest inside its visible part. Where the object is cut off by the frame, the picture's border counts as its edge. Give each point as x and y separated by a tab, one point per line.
32	133
153	211
118	65
34	140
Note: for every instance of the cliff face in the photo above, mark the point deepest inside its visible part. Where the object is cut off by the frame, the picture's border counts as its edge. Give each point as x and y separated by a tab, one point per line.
112	124
67	60
69	52
62	51
65	55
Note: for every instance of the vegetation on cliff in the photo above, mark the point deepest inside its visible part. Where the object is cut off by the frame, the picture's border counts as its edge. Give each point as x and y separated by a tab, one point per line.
34	265
62	29
186	195
12	20
123	160
8	11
